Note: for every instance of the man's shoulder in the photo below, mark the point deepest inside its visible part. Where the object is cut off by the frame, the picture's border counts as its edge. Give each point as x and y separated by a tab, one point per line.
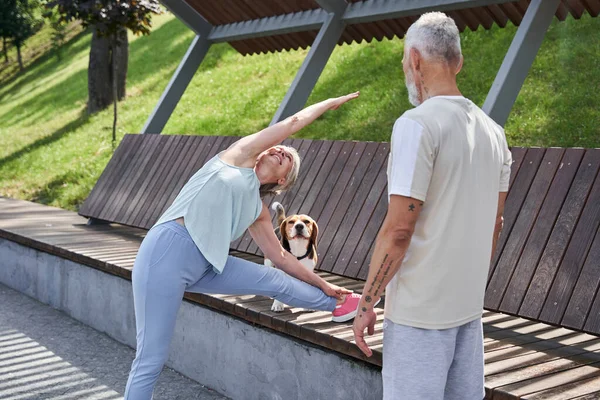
423	111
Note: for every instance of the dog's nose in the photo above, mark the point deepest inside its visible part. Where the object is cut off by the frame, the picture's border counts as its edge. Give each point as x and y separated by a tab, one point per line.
299	227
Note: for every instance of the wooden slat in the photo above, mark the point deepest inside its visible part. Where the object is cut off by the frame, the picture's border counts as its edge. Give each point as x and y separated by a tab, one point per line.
584	306
152	193
360	211
112	193
585	388
332	189
517	286
109	179
142	155
497	14
522	227
518	155
148	179
172	169
364	251
561	12
575	7
186	166
195	148
516	197
572	263
309	192
512	13
562	376
592	7
483	16
90	205
163	158
355	188
561	235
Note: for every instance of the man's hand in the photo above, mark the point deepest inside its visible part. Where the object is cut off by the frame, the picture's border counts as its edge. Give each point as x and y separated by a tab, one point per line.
364	319
336	291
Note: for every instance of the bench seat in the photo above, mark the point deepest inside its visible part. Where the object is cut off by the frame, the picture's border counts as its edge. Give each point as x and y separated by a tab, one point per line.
524	359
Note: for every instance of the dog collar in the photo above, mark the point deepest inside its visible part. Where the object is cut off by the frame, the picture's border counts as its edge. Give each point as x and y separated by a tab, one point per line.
304	256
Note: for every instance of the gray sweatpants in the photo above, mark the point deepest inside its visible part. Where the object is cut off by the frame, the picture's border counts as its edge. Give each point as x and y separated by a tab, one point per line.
429	364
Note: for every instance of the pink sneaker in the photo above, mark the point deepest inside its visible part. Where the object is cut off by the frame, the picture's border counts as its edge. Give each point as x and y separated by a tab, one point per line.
347	310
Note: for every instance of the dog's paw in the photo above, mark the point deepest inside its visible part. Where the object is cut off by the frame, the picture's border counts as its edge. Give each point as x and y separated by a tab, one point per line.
277	306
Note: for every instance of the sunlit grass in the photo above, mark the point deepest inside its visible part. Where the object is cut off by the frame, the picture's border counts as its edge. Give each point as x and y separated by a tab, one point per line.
51	152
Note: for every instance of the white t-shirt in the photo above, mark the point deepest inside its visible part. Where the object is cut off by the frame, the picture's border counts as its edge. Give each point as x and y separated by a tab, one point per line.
450	155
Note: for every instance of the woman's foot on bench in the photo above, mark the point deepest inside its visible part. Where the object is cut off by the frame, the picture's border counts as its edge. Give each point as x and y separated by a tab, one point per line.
346	310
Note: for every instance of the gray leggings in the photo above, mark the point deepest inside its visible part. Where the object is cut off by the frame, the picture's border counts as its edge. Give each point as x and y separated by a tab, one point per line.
169	264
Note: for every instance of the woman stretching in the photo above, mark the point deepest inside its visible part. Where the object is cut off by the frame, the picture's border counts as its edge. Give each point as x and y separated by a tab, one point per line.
187	249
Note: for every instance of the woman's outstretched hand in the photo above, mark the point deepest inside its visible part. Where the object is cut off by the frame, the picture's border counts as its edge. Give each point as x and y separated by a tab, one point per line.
336	291
338	101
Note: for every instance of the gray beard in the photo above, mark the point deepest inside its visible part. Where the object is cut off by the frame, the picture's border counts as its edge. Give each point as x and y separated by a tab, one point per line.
413	92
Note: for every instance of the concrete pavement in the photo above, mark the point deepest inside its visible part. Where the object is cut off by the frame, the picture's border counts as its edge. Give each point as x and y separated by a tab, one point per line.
45	354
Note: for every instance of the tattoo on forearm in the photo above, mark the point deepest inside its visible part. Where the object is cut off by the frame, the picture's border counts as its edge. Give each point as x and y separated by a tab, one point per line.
380	276
379	271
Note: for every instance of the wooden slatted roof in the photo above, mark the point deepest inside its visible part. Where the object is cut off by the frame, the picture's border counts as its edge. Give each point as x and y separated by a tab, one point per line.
223	12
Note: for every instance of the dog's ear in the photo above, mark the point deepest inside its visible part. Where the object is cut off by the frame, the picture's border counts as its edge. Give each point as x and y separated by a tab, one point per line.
314	235
284	239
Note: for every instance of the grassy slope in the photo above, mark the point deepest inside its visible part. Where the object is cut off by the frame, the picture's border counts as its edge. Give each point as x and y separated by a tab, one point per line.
51	152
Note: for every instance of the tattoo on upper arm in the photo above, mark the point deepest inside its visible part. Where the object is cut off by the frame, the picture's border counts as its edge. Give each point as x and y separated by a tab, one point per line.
411	208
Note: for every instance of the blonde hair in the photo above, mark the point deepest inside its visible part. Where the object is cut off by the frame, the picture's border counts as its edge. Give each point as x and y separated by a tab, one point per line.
290	179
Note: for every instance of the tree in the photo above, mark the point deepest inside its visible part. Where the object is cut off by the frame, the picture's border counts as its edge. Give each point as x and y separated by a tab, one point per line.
6	12
59	31
109	21
18	22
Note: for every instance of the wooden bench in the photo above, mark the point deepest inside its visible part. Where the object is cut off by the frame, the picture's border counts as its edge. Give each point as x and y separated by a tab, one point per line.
545	269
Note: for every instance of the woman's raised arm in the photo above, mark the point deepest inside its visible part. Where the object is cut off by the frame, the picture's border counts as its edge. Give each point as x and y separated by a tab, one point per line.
245	150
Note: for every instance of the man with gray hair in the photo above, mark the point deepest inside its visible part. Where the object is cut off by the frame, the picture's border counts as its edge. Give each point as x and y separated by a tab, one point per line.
448	174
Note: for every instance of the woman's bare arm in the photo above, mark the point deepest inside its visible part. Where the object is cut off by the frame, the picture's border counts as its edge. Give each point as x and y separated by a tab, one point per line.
243	153
262	233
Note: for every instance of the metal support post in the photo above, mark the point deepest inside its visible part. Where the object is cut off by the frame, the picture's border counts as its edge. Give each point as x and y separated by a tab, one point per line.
518	59
179	82
311	68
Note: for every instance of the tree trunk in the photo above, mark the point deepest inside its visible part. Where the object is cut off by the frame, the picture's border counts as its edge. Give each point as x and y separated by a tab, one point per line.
18	46
100	88
4	50
122	58
113	58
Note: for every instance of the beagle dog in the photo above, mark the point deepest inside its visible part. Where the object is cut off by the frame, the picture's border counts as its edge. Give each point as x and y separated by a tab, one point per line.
299	234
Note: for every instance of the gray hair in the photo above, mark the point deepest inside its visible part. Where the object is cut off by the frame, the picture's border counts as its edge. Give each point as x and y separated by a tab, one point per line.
290	179
436	37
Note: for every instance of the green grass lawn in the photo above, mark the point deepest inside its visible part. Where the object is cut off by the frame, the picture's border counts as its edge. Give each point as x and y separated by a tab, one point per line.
52	152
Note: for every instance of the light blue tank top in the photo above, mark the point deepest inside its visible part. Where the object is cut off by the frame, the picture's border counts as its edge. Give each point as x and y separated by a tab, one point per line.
218	204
